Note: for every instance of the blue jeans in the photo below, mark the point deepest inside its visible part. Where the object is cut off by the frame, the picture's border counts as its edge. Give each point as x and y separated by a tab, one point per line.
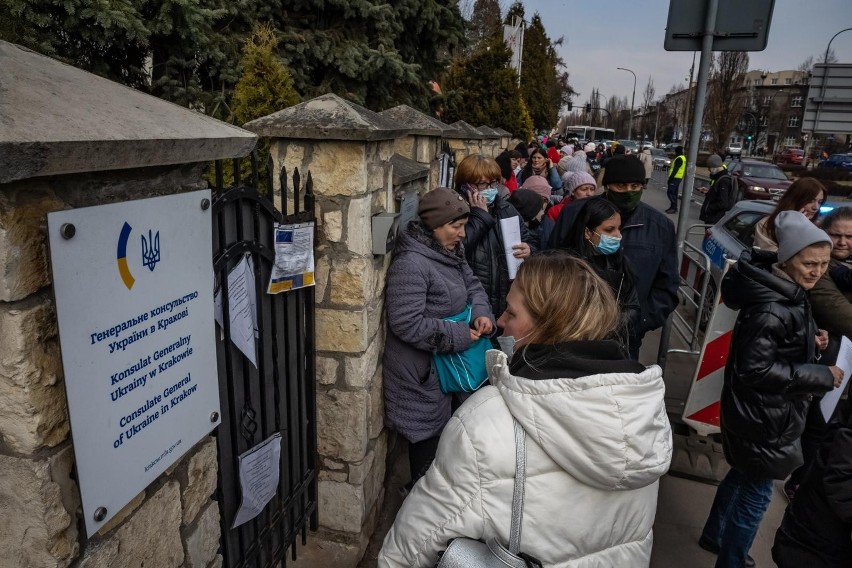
735	516
672	191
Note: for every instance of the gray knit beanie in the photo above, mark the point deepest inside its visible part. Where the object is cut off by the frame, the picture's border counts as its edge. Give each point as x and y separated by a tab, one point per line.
796	232
441	206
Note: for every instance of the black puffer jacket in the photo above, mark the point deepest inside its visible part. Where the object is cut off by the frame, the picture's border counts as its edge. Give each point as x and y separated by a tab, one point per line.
817	527
770	375
483	248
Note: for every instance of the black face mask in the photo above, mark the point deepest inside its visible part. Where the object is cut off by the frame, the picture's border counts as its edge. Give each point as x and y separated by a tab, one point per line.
626	202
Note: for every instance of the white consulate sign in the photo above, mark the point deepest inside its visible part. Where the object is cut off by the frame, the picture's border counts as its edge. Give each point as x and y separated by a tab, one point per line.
134	300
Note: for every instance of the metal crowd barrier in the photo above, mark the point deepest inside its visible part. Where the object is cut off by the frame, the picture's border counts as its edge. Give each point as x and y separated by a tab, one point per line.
694	282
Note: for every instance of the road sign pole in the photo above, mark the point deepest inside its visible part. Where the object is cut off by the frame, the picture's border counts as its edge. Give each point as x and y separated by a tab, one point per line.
694	137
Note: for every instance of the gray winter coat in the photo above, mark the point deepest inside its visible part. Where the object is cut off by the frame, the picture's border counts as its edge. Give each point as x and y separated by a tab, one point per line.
425	284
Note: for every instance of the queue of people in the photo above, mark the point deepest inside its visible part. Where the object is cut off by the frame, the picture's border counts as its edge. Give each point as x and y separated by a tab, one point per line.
598	272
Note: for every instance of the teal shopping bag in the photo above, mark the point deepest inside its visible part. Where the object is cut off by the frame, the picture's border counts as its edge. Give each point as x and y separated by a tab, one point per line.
464	371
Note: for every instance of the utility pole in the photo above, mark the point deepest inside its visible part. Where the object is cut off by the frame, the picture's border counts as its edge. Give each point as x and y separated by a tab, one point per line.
688	104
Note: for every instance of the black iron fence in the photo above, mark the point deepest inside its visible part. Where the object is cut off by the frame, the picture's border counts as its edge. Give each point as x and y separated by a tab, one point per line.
277	396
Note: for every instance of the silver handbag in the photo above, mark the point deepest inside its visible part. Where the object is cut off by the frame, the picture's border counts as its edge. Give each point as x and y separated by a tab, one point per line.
469	553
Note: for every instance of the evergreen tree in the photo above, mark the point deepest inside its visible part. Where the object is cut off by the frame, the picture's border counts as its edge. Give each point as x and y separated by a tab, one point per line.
539	84
516	10
484	90
484	22
265	86
375	52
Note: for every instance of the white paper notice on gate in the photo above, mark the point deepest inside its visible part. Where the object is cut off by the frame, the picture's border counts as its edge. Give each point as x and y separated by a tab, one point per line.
294	258
259	471
832	397
242	308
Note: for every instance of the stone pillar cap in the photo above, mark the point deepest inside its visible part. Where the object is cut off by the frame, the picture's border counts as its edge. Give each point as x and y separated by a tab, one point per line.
467	131
417	122
327	117
57	119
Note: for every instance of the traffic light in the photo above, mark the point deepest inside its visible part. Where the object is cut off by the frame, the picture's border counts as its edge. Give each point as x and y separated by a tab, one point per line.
570	106
748	137
588	107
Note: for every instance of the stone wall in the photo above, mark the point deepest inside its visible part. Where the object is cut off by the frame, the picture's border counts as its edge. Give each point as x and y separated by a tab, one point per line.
40	524
72	139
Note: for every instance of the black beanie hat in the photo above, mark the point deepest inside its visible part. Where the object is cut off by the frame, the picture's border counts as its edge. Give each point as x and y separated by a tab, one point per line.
624	169
523	151
527	202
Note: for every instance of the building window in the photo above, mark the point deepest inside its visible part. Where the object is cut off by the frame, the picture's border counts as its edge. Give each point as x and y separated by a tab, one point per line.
764	121
774	81
788	81
793	122
790	141
755	81
797	101
767	101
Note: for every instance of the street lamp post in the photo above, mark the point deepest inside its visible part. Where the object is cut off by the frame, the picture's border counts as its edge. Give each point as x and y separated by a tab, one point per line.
632	100
822	91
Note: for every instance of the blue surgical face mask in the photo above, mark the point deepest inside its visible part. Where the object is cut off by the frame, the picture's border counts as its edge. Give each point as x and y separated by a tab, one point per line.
489	195
608	244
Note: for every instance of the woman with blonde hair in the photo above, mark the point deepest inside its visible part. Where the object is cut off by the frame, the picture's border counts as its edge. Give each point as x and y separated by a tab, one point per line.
477	180
805	195
597	436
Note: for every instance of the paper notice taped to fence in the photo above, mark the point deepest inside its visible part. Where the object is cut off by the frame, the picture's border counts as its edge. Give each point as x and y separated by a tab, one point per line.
259	471
511	229
242	308
832	397
294	258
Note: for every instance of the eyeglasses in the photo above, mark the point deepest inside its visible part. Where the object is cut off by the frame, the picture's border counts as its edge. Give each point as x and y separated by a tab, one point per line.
484	184
625	186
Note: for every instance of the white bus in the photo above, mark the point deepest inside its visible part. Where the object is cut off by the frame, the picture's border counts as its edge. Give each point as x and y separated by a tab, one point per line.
589	133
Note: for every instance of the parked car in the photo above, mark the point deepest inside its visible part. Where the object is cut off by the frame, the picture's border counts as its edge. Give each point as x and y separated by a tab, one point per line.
758	180
734	150
670	147
660	159
727	239
647	144
630	145
837	162
790	156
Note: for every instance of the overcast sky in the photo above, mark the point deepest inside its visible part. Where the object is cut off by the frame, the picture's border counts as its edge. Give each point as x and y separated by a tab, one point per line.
605	34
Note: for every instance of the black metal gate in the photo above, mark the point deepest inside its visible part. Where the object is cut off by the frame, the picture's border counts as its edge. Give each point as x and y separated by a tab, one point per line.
277	396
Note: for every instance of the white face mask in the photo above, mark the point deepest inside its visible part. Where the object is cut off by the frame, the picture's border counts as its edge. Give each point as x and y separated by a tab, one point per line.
507	343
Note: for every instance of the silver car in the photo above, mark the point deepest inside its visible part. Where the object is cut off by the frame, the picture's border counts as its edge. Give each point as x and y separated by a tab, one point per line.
660	159
727	239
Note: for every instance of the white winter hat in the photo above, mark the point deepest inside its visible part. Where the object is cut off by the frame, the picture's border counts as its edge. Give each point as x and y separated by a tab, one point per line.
590	147
796	232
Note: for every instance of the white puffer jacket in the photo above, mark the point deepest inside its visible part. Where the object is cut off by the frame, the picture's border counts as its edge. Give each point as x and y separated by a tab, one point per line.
596	448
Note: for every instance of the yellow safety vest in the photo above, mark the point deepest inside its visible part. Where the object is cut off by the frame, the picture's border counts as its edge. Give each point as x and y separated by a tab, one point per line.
678	173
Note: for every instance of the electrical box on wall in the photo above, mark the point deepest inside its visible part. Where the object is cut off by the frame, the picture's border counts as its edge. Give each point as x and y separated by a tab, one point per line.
385	226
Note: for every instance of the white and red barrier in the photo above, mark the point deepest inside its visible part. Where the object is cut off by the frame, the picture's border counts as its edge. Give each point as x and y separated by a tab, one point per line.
702	409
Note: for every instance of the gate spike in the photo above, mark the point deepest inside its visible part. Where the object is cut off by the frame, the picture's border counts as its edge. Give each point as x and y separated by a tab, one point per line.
297	185
282	176
237	177
270	172
309	193
220	176
254	173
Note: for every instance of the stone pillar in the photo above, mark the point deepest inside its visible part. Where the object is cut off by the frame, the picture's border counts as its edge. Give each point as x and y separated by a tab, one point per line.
72	139
465	140
505	139
423	142
490	142
348	150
